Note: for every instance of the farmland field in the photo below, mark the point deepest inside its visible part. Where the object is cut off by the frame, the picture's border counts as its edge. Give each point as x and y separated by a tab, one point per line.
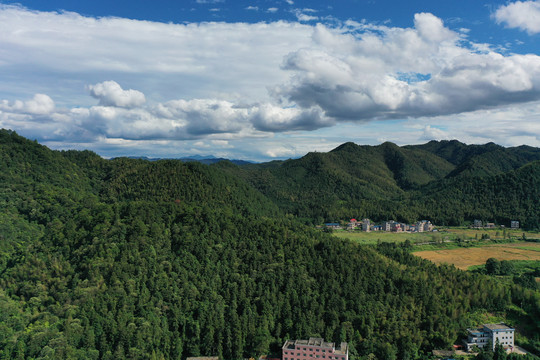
498	234
372	237
443	235
462	258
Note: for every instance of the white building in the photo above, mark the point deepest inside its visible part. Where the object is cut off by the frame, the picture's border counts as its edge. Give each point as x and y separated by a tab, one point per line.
366	225
490	333
424	225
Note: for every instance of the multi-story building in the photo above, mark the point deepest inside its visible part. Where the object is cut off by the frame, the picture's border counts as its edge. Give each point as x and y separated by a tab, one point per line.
478	224
424	225
490	334
514	224
366	225
396	227
314	349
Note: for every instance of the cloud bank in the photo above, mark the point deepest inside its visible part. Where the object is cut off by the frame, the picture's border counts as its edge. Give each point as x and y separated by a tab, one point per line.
359	77
148	81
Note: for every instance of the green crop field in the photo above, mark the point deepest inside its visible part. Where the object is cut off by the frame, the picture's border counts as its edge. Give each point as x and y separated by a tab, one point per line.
442	238
529	248
496	234
373	237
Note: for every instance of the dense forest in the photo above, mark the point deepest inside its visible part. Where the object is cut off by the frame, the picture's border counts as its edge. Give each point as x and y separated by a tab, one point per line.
447	182
128	258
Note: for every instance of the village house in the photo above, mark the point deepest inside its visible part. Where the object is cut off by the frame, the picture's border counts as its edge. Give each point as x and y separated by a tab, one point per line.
424	226
366	225
353	224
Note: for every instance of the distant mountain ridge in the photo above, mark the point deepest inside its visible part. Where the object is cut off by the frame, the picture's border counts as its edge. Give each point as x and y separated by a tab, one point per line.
208	160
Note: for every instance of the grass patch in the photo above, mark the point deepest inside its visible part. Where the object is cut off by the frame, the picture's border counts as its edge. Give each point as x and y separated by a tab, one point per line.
529	248
383	236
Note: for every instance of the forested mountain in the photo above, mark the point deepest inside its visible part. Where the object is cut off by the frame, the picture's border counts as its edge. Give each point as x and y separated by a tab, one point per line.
126	258
447	182
501	198
480	160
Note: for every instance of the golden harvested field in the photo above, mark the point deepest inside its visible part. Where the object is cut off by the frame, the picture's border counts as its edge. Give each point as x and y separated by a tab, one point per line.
464	257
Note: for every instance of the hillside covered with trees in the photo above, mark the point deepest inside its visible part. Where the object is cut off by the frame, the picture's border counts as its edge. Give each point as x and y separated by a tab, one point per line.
446	182
127	258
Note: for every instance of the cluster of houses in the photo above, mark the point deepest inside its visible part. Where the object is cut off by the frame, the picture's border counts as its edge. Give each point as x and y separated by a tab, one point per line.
479	224
393	226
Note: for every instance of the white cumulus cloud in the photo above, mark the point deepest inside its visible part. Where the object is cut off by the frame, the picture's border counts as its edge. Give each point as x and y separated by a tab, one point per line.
40	104
524	15
110	93
123	114
433	133
303	17
361	77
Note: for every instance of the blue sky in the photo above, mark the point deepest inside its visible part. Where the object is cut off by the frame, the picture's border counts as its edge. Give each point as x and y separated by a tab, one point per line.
266	79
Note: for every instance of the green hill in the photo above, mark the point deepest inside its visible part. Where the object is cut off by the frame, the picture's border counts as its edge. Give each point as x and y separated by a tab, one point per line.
480	160
500	198
447	182
126	258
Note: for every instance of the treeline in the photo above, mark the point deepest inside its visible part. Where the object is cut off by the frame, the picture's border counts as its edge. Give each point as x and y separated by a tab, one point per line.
112	259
